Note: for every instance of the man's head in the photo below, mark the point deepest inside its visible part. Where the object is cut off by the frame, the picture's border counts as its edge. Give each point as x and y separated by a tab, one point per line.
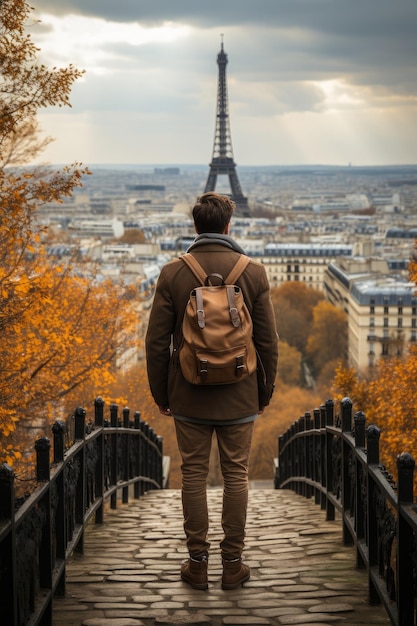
212	213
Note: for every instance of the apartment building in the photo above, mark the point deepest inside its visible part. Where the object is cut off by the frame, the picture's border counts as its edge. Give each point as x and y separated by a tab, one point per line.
381	309
301	262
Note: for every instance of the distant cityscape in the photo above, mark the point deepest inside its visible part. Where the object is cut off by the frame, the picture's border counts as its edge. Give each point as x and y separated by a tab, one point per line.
346	231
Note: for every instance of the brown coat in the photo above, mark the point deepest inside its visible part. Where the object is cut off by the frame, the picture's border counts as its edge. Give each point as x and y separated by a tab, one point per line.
168	386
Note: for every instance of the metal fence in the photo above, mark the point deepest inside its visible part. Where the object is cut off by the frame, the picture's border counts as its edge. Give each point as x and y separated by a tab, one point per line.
37	537
336	460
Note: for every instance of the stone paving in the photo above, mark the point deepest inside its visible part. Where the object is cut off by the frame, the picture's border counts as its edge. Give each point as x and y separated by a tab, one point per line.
301	572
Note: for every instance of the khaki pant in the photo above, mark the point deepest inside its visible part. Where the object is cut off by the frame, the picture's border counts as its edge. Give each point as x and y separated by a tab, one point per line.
194	443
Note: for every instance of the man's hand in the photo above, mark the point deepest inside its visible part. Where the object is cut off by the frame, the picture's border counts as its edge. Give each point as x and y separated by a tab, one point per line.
164	410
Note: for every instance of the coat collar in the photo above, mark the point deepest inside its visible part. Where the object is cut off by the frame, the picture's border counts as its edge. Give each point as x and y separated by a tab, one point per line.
223	240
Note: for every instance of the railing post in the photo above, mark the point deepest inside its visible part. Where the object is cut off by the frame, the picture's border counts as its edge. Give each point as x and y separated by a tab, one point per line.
145	453
373	434
42	447
329	419
59	429
323	472
80	496
292	454
137	443
79	417
300	446
159	443
405	566
152	456
308	447
360	421
126	459
316	460
346	406
99	478
114	453
8	556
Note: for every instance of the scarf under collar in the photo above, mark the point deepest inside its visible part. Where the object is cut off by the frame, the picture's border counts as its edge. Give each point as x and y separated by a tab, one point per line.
223	240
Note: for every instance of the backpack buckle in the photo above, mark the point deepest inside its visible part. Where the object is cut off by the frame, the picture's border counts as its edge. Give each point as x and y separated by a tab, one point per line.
240	366
203	371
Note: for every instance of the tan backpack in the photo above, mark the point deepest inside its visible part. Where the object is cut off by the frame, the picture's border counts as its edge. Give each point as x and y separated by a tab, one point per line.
217	346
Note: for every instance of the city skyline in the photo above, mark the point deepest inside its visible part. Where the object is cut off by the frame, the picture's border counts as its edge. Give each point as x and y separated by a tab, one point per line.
324	82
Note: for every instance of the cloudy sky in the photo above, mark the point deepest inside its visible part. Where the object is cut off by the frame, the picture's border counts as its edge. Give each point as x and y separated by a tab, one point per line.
309	81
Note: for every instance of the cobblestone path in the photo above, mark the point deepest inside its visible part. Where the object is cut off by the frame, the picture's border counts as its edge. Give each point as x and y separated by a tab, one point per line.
300	571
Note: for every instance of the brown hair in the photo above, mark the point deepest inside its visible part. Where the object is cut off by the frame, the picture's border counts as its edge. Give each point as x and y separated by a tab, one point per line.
212	213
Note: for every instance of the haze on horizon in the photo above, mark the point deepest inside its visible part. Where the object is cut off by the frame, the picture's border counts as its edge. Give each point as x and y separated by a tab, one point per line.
319	82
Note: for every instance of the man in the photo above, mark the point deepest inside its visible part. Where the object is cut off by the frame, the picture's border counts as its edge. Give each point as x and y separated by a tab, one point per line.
229	410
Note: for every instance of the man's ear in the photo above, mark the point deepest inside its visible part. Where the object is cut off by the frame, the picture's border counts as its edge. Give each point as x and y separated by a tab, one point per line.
227	230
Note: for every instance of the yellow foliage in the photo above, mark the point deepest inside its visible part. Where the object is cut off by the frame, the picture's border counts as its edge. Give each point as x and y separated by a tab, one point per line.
347	384
389	402
328	338
48	317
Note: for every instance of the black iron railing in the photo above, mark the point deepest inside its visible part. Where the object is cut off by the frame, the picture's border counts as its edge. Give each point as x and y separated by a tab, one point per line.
37	537
336	461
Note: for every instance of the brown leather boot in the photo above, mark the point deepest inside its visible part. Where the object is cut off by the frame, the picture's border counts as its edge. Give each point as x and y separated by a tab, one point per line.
194	573
235	573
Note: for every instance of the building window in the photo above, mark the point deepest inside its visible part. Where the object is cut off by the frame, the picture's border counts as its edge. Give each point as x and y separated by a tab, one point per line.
386	322
414	310
400	310
371	322
372	310
384	349
400	322
386	310
414	323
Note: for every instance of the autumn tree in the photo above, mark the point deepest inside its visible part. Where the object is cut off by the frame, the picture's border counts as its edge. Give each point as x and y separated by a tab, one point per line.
60	328
347	384
289	364
132	236
293	305
327	341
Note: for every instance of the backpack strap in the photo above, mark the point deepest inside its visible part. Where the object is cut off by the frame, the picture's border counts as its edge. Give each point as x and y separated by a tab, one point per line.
201	275
194	266
239	267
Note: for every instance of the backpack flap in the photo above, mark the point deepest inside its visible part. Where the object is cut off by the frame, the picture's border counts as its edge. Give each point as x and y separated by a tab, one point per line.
217	346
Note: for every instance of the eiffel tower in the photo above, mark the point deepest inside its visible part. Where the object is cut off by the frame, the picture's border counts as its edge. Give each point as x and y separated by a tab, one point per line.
222	162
